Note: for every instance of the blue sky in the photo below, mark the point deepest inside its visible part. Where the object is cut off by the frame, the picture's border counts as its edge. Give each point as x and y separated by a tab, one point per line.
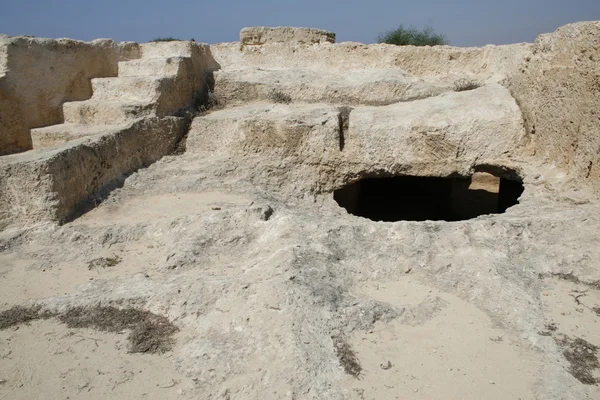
465	22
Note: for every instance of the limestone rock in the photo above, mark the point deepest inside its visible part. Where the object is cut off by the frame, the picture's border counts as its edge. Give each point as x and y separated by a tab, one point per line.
260	35
558	88
32	93
57	183
482	63
350	87
242	239
452	133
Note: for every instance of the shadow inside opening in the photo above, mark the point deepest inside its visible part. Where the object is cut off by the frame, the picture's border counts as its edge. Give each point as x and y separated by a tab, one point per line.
412	198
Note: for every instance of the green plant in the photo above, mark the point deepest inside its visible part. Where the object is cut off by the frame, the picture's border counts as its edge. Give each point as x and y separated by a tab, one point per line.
412	36
166	39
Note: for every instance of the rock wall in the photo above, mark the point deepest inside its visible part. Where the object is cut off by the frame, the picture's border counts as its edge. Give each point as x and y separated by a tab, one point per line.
306	149
261	34
558	89
41	74
56	183
3	59
451	62
555	81
196	79
89	155
551	118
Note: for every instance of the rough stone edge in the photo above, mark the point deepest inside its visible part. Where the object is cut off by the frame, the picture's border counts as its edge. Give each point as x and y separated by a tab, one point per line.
262	34
54	184
20	91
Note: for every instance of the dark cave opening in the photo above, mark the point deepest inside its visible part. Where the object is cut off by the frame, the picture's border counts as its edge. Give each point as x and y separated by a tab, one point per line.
414	198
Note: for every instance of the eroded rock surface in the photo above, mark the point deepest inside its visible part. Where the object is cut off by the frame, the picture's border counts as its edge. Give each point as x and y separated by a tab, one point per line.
278	292
38	75
284	34
558	87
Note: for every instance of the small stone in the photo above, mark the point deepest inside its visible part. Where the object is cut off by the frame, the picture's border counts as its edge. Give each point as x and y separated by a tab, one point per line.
386	366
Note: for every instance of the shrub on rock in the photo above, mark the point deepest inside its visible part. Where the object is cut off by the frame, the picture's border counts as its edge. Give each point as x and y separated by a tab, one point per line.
413	37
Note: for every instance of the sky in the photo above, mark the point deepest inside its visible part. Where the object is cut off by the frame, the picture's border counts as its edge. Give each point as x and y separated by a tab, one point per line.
464	22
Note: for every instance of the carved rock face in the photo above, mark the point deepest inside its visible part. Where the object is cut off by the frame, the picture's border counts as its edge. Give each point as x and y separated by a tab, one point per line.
261	35
239	241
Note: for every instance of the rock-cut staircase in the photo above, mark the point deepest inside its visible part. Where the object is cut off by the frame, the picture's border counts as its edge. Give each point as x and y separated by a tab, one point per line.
154	85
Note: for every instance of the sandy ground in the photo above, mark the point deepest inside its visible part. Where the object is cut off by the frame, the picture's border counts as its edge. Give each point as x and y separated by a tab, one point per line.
44	360
460	355
438	344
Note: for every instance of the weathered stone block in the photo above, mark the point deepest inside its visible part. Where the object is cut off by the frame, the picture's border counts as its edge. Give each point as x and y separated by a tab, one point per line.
262	34
50	184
